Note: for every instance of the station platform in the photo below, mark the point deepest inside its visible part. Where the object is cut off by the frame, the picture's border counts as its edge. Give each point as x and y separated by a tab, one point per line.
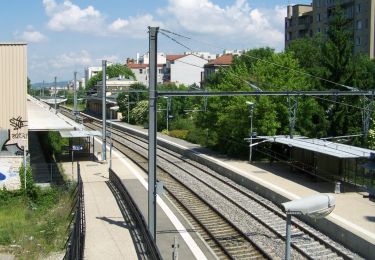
354	212
107	235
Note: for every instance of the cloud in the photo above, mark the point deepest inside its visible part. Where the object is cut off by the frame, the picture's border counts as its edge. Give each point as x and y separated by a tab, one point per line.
238	21
135	27
71	59
70	17
30	35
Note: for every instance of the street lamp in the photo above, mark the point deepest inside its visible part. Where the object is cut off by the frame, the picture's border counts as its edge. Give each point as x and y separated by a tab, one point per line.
251	109
115	108
168	108
315	206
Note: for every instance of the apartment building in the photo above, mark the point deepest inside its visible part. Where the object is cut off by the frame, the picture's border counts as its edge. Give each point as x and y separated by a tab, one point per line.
308	20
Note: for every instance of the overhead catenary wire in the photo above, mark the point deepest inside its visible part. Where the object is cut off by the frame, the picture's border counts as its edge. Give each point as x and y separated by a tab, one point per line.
260	59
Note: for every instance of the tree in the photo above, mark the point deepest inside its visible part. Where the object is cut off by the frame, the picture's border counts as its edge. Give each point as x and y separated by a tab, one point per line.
114	70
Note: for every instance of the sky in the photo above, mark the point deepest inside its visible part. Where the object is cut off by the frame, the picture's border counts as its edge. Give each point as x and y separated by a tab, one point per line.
64	36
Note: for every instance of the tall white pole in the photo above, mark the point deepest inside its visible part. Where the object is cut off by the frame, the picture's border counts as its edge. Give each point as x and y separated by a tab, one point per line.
24	165
75	93
55	95
104	116
153	33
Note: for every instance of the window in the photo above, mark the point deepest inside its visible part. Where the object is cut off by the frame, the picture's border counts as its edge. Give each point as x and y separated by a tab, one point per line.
289	36
318	3
359	24
318	17
358	40
140	71
160	71
358	8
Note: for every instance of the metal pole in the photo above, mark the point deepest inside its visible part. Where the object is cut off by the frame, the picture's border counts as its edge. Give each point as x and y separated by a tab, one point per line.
72	164
104	86
128	108
168	99
251	133
287	236
110	139
55	95
24	165
153	31
75	94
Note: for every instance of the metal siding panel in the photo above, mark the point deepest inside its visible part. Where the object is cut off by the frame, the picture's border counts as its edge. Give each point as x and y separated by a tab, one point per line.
13	85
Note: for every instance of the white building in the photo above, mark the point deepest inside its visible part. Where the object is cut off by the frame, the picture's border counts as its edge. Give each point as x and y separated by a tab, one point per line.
142	71
184	69
145	58
205	55
91	72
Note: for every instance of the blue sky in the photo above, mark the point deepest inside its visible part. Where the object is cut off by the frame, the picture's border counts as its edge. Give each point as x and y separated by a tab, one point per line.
64	36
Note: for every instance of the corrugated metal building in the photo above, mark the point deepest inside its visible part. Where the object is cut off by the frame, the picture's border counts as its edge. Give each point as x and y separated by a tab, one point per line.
13	89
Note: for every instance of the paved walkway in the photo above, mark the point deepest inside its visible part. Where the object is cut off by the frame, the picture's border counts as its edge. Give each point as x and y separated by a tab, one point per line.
107	236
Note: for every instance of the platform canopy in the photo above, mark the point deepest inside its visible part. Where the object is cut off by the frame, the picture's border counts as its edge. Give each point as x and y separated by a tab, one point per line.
80	133
42	117
337	150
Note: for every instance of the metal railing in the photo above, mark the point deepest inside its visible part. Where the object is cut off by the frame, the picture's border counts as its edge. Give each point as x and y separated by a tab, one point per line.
152	250
76	241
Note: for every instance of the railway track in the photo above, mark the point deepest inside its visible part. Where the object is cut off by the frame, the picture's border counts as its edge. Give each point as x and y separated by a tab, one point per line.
206	190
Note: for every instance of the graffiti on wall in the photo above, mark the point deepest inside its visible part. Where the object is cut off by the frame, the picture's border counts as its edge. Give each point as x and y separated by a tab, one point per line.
9	173
6	147
17	123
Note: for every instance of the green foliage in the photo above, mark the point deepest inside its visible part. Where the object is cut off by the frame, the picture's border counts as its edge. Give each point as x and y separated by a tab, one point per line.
139	113
37	226
182	134
112	71
53	144
30	187
131	97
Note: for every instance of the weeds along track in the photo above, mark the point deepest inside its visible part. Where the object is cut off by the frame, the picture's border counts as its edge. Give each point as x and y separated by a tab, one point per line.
209	200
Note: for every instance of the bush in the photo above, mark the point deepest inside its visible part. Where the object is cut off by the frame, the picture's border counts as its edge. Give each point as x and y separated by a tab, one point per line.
181	134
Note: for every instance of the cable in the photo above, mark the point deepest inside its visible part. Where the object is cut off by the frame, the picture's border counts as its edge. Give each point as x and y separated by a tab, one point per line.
164	30
341	103
173	39
265	61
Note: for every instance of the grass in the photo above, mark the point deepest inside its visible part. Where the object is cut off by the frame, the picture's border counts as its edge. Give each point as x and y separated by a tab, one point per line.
80	106
33	228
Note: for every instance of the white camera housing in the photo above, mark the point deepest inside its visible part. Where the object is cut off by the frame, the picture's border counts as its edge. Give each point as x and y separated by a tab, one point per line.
315	206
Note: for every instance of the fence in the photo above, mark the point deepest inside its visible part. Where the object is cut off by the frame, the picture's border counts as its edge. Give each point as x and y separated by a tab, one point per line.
76	241
149	243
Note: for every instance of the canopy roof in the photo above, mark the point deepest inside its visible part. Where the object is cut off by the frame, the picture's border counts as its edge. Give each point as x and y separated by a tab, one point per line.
81	133
322	146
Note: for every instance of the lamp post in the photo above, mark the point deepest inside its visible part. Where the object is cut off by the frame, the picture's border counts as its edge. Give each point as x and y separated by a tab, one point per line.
251	109
315	206
168	108
115	108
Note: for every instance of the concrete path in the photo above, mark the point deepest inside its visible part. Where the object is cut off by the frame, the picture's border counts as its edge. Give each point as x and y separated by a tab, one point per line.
107	235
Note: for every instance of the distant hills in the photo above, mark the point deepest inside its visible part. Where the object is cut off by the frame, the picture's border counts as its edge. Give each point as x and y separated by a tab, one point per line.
39	85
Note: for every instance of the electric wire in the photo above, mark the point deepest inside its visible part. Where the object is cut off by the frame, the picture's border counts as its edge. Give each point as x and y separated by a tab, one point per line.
265	61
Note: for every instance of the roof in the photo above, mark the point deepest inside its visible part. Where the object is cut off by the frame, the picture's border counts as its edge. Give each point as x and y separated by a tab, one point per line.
337	150
173	57
140	66
226	59
82	133
13	43
42	117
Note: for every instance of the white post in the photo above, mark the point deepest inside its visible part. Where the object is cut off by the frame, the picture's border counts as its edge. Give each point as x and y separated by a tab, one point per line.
24	165
287	236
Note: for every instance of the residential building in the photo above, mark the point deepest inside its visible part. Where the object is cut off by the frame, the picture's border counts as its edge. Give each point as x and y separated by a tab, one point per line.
141	72
91	72
205	55
145	58
213	66
308	20
186	69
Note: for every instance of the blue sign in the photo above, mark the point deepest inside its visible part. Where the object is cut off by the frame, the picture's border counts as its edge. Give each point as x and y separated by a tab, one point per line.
77	147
